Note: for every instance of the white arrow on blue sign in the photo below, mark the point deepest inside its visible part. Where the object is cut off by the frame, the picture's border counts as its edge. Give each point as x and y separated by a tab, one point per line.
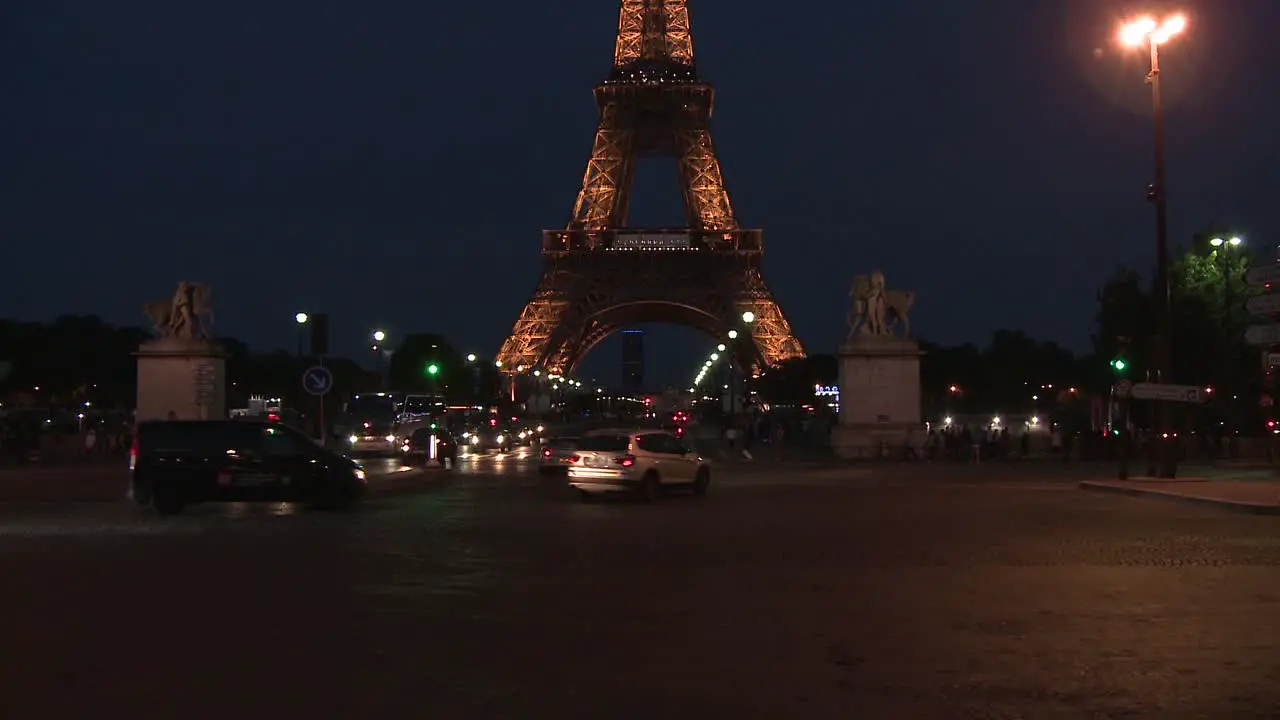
317	380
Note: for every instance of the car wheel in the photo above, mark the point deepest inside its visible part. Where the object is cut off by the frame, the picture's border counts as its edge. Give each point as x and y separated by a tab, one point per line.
650	486
702	482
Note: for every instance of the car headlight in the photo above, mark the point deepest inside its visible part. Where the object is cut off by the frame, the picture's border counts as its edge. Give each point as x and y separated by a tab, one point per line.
475	440
391	438
524	435
404	448
353	439
359	474
502	438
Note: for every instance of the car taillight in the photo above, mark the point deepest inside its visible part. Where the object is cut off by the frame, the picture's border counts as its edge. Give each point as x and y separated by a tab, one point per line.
546	453
626	460
575	458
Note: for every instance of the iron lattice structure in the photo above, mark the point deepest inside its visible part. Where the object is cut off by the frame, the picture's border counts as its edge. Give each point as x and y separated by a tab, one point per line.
599	275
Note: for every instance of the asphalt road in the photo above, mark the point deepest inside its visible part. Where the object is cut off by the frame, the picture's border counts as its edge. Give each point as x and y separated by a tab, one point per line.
880	594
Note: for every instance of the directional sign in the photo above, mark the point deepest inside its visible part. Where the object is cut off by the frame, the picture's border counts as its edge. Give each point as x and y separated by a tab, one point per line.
317	380
1171	393
1262	274
1123	388
1273	359
1263	305
1262	335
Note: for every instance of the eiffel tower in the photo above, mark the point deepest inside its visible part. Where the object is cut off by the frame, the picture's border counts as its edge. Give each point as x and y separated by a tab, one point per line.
600	275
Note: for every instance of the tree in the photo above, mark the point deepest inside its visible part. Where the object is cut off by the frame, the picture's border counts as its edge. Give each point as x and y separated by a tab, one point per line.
409	369
792	381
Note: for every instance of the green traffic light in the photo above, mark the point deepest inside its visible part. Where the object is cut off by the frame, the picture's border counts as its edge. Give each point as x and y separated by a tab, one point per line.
1119	364
432	369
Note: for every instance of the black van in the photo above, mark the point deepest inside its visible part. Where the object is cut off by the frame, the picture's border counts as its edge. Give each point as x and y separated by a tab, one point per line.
175	462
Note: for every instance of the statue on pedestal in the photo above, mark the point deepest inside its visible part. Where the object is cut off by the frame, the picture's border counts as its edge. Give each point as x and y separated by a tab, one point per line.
186	317
871	303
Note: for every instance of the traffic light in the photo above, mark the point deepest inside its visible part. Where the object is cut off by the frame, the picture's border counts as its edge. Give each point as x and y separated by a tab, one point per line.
319	334
1119	365
433	369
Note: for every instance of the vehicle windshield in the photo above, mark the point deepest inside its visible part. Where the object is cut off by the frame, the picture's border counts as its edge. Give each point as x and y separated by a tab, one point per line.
605	443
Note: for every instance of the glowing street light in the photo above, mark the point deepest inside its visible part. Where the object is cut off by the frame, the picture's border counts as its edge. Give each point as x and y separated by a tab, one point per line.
1232	242
1135	33
733	334
301	318
379	336
748	317
471	357
720	347
1143	30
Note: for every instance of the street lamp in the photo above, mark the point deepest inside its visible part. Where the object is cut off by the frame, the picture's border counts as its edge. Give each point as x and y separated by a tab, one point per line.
301	319
379	336
1222	247
748	317
733	334
471	357
1136	33
720	347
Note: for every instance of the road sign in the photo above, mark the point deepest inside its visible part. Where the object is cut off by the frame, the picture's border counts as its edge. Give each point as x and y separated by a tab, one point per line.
317	380
1263	304
1171	393
1265	401
1272	359
1262	334
1262	274
1123	388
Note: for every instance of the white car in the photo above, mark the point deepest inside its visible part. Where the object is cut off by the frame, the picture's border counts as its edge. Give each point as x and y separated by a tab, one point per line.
643	461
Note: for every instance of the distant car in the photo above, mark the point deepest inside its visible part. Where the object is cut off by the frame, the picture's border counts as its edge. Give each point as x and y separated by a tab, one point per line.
489	437
427	445
175	463
373	439
556	453
643	461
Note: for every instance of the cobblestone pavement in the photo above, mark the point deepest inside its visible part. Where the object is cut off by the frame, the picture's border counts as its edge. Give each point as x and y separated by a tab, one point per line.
877	595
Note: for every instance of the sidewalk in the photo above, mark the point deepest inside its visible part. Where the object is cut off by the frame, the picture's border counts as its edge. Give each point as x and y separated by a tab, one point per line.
1258	497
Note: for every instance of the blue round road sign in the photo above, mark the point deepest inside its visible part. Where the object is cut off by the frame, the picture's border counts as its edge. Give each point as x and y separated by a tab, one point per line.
317	380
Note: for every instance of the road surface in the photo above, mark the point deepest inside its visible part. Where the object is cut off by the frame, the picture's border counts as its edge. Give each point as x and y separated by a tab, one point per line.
879	594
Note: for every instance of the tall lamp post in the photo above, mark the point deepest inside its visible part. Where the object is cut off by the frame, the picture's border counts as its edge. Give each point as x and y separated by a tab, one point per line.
1147	31
379	337
748	317
1223	247
301	319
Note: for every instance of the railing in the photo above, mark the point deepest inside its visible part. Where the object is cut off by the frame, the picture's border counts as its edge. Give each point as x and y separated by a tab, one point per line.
652	240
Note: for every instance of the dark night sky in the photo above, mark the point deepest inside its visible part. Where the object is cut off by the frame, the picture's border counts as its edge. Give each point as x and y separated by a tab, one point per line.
392	161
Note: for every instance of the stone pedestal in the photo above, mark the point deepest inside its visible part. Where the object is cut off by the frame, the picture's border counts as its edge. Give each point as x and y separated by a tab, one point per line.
187	378
880	407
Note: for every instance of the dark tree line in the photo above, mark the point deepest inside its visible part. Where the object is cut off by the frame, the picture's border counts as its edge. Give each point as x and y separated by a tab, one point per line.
81	358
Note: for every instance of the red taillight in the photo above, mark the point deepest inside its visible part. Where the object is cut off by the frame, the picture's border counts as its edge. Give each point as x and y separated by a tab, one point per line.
546	453
626	460
133	453
575	458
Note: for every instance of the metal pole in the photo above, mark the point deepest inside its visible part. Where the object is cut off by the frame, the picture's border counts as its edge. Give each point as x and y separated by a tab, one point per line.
1164	342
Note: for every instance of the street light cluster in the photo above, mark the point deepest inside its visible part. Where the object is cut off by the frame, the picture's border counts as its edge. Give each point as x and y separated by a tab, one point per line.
748	317
1143	30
